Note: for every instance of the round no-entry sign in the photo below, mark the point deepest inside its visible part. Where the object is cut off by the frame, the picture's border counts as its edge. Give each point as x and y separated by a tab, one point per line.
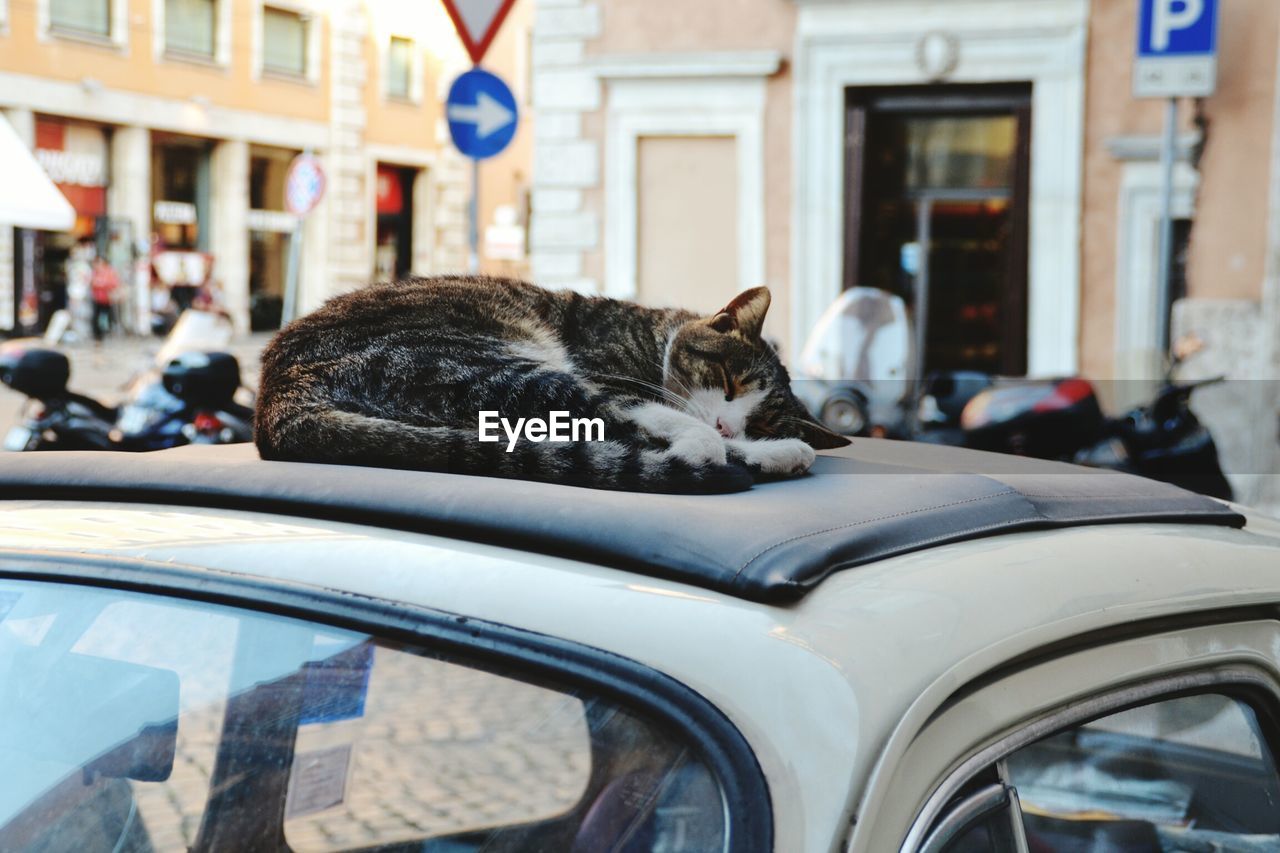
304	185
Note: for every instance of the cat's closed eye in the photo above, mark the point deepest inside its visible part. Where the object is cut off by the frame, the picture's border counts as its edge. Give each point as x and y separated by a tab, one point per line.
730	386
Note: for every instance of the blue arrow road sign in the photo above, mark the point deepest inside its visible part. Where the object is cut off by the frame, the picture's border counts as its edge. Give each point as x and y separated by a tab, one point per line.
482	114
1177	48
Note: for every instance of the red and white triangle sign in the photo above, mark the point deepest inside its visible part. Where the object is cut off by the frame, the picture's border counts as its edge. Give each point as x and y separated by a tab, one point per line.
477	22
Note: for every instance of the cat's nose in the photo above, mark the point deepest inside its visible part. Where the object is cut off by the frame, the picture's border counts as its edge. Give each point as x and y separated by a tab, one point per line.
723	428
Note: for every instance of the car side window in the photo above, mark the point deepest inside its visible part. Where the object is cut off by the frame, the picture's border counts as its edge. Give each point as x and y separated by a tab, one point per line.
1187	773
132	722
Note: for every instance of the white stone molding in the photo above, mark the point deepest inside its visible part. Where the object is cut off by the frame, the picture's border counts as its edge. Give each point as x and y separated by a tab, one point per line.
706	106
872	43
129	198
118	23
175	115
1146	146
747	63
349	210
565	21
417	70
451	188
313	14
221	35
564	162
1137	353
229	208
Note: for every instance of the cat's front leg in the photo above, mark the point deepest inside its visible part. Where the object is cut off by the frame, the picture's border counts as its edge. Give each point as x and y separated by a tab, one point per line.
772	457
687	437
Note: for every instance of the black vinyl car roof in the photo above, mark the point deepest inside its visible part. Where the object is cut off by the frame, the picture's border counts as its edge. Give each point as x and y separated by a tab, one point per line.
774	543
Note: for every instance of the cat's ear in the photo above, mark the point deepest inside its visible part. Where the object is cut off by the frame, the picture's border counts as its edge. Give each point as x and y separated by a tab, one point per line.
744	314
820	438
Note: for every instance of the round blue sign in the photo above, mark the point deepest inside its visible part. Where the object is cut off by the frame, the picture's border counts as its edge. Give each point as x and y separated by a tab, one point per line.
482	114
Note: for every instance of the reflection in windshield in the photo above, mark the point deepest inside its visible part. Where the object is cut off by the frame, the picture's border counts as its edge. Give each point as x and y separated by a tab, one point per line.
134	722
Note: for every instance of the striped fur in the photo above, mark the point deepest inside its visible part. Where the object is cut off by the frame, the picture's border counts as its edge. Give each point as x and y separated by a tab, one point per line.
395	374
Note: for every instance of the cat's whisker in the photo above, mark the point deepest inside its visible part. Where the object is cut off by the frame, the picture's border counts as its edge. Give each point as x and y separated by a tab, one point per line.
674	399
673	378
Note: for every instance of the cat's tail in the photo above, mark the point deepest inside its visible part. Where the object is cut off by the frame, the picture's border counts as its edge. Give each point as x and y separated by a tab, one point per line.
314	434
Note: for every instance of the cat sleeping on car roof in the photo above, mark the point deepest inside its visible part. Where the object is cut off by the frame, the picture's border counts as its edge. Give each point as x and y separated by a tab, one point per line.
396	375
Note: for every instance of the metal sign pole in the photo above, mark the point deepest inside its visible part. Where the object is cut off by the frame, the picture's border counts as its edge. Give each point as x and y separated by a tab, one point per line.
480	108
473	236
1165	257
290	305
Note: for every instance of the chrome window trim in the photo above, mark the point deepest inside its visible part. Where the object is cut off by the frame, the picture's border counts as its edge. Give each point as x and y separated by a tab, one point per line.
1018	828
1099	705
980	804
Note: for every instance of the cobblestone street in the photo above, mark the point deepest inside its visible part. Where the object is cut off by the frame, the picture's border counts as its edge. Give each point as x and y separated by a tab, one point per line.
440	749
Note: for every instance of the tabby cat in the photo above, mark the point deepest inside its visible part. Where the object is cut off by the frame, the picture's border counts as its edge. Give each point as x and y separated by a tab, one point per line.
395	375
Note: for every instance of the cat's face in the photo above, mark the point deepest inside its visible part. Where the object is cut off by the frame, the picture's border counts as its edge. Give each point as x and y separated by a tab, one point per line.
731	379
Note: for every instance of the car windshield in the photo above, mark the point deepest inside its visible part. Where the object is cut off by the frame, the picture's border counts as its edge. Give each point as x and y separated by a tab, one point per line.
136	722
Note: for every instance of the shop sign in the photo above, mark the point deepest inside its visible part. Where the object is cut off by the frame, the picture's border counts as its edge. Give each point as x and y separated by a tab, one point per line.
390	198
77	168
174	213
504	240
271	220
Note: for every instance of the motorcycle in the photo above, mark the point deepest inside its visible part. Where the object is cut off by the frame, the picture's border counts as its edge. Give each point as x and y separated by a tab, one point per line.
53	417
188	396
191	400
1057	418
1061	419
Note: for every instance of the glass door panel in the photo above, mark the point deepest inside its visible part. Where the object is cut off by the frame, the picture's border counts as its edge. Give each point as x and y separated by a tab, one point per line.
937	215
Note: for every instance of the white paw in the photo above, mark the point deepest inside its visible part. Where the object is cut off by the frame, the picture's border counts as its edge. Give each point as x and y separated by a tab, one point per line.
699	444
785	456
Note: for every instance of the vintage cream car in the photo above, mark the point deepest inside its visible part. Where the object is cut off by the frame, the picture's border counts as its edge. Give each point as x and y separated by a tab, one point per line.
913	648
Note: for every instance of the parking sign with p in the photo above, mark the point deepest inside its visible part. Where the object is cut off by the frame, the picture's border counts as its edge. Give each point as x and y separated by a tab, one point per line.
1177	49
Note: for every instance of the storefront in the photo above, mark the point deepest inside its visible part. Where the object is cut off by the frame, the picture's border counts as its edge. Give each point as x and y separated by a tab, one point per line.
52	267
937	213
944	163
180	190
394	254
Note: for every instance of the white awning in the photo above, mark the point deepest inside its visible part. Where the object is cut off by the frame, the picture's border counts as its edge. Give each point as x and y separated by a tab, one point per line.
28	199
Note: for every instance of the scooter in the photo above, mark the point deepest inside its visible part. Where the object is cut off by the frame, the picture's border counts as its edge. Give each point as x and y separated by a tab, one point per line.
53	417
1049	419
188	396
191	400
1061	419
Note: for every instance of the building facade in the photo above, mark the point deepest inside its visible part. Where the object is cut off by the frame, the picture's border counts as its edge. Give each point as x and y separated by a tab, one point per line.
170	126
983	159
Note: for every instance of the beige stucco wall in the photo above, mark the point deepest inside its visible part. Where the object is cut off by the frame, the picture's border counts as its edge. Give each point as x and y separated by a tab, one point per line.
133	68
1228	255
687	241
504	179
1228	240
679	26
403	132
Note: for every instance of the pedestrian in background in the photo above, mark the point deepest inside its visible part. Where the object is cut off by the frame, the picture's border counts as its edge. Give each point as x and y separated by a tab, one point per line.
103	286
